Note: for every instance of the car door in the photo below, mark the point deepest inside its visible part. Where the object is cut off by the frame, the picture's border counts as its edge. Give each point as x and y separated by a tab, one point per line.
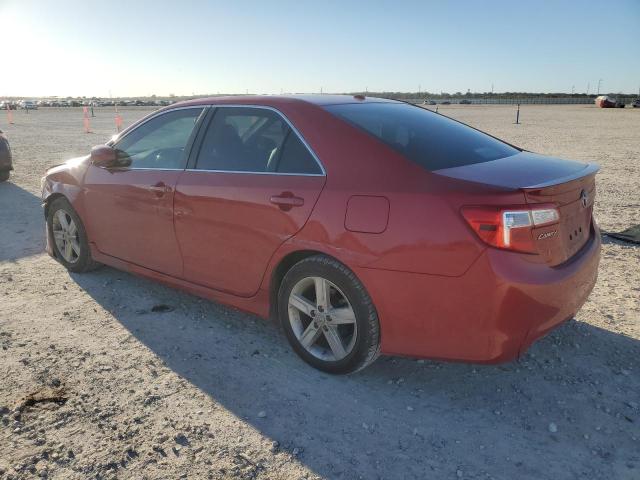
252	185
130	207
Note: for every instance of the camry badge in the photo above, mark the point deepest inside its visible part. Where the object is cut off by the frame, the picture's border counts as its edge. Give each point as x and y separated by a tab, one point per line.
584	198
544	235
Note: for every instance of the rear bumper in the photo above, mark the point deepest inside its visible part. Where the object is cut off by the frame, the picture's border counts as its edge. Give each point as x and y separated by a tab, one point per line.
491	314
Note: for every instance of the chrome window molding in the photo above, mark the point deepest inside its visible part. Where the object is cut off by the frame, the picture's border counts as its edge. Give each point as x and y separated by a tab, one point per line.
128	169
293	129
203	170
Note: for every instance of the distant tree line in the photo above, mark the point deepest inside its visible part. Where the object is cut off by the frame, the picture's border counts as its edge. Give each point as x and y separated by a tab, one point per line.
456	95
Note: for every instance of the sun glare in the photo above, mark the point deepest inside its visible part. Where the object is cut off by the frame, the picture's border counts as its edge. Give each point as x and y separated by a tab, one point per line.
33	50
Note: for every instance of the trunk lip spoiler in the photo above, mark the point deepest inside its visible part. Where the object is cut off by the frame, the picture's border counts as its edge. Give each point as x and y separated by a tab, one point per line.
589	169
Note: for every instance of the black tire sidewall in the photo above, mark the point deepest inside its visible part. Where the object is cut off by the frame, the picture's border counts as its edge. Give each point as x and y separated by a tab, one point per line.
352	288
84	262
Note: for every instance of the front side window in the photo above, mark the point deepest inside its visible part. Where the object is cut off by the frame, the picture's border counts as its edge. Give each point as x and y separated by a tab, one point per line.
431	140
160	142
246	139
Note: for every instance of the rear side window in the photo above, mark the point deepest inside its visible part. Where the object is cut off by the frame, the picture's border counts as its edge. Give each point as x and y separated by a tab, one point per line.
242	140
296	158
431	140
254	140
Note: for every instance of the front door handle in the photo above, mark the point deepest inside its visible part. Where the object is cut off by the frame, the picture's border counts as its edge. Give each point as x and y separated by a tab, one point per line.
286	201
159	189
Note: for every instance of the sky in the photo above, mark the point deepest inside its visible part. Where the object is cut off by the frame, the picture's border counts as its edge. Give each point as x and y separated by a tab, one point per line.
185	47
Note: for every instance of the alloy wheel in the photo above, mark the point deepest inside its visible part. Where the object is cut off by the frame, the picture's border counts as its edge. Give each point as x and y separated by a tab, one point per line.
66	236
322	319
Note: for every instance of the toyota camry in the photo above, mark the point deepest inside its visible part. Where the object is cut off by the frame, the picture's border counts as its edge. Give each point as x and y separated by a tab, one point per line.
364	225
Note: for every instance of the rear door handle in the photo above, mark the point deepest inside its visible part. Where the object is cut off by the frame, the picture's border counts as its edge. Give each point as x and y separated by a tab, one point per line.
287	200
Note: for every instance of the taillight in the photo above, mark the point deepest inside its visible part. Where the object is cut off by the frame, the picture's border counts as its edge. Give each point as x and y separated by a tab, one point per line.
509	228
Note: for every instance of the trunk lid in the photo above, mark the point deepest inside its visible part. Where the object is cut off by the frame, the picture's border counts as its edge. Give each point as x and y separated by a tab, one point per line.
567	185
574	200
524	170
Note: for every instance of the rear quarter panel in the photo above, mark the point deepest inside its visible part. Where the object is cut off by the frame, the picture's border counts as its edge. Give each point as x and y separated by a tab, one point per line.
425	231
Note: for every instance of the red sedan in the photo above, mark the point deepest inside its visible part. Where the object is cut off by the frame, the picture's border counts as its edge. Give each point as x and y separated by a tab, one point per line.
364	225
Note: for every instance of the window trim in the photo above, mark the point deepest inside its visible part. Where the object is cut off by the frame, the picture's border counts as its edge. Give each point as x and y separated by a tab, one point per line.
188	146
191	164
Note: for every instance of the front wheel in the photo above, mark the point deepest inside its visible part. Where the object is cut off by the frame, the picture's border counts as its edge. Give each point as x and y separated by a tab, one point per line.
70	243
328	317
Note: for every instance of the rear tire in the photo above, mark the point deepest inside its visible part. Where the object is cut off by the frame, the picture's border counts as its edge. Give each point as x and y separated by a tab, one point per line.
4	176
328	316
69	237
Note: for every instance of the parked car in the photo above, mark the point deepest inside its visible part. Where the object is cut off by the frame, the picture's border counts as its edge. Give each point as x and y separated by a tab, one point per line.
429	102
446	102
636	103
604	101
7	105
465	101
28	105
6	162
364	225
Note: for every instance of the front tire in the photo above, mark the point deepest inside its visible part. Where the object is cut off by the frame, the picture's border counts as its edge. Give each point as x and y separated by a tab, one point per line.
328	317
69	237
4	176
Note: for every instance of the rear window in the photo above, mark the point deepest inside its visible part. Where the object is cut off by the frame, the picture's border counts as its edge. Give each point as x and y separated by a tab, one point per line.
429	139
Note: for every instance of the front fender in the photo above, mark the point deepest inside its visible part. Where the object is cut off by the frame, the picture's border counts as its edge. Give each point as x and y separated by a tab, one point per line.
65	180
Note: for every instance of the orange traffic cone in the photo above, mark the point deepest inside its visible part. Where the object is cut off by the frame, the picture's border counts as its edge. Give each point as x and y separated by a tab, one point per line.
85	120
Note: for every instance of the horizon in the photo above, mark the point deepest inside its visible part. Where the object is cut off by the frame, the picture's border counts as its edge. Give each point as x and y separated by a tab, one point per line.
113	50
396	94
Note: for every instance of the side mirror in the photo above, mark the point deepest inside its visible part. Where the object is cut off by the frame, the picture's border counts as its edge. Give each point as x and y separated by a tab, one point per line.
104	156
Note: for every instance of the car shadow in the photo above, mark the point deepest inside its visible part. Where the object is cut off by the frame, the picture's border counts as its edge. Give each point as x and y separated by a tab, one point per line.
21	223
608	239
551	414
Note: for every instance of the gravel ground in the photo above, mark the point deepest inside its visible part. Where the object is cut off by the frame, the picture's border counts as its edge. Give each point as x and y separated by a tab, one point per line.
96	384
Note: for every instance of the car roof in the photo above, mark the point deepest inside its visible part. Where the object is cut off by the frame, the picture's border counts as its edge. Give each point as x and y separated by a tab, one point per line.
278	100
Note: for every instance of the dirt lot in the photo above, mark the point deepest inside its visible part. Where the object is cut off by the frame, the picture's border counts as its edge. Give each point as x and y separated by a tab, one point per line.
94	384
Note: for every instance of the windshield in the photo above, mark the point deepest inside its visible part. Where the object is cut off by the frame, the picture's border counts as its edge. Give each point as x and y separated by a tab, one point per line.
427	138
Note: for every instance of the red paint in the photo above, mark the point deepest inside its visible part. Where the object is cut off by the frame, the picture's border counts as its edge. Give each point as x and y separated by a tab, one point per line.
439	290
229	227
129	215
